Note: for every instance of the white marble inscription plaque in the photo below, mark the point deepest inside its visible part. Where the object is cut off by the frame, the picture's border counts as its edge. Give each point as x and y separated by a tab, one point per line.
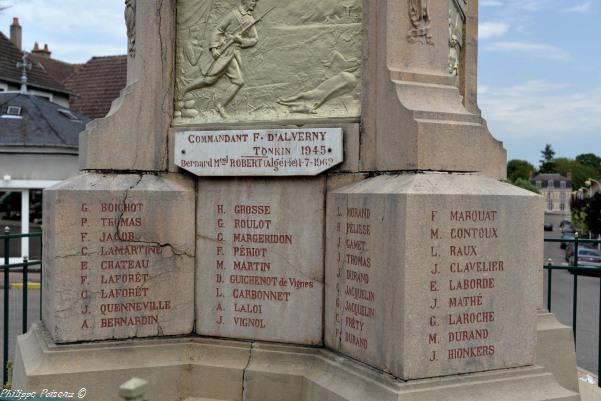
260	273
277	152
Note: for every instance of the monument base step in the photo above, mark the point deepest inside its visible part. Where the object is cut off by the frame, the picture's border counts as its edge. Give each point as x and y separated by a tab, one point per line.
203	399
555	350
196	368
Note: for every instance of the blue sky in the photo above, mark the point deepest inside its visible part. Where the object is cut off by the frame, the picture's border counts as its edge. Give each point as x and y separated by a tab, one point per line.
540	75
539	64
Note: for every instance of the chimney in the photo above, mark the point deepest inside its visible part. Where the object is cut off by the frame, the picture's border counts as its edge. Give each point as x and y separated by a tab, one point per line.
16	33
569	176
41	52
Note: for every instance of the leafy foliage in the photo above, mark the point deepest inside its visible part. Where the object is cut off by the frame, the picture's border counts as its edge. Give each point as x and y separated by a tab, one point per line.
519	169
590	160
547	161
588	212
580	173
525	183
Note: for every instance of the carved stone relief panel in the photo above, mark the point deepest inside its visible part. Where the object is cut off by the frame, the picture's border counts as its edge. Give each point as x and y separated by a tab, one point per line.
251	60
456	34
130	23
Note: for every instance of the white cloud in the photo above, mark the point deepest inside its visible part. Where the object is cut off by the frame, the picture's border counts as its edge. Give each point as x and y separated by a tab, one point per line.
98	26
529	88
491	3
528	5
491	29
529	115
532	5
580	8
80	52
536	110
539	50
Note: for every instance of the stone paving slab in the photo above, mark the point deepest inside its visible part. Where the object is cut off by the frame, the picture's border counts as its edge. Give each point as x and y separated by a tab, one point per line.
589	392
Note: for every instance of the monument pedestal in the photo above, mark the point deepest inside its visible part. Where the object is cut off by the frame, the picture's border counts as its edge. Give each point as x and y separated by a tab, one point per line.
412	264
194	368
555	350
419	272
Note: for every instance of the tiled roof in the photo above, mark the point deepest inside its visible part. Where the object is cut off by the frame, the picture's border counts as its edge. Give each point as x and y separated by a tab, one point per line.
552	176
96	84
59	70
42	124
557	178
38	78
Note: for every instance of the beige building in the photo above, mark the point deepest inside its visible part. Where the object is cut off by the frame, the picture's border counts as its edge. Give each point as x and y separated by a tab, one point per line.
40	121
556	189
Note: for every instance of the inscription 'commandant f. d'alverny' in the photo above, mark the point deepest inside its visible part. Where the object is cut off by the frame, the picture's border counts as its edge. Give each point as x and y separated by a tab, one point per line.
253	60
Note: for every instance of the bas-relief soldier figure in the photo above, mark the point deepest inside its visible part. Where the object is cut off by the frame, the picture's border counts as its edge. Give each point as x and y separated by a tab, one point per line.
340	84
233	32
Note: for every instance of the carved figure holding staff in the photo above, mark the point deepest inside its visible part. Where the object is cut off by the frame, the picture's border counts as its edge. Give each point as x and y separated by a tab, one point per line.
419	14
235	31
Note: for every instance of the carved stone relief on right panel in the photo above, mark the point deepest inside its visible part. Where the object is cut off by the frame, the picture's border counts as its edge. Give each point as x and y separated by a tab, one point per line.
456	34
261	60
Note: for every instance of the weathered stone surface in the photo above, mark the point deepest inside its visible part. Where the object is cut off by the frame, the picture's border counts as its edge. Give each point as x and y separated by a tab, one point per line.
415	114
118	257
555	350
133	136
201	369
469	79
433	274
335	181
300	59
259	274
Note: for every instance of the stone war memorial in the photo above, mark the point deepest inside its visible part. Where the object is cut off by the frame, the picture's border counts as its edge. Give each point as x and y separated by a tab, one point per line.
300	201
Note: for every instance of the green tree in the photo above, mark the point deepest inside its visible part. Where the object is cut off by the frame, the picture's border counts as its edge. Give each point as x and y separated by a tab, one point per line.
526	184
519	169
590	160
580	172
547	162
586	212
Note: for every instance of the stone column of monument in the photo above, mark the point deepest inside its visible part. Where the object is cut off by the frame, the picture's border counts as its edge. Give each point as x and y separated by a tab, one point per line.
295	200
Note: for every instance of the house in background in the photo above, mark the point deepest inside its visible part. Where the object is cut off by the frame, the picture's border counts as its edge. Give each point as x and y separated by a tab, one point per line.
556	190
88	88
95	84
58	70
39	82
40	122
38	149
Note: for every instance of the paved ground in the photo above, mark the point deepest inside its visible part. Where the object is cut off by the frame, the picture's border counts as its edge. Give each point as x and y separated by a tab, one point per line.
587	333
15	315
589	392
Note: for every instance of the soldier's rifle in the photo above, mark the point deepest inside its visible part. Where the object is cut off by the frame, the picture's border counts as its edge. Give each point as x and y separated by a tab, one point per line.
228	43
